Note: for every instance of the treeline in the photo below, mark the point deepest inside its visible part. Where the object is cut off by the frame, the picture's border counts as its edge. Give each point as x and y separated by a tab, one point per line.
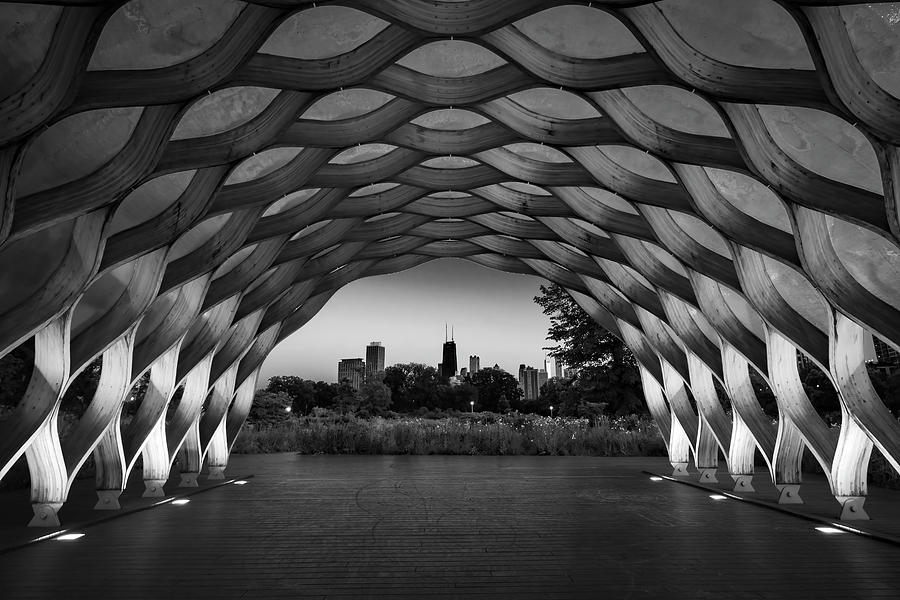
411	388
418	389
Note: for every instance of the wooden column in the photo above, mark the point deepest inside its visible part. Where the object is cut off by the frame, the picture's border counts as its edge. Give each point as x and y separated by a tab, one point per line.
213	438
182	431
714	432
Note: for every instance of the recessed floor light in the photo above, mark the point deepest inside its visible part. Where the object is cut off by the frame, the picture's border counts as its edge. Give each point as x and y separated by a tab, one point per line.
180	501
829	530
68	537
655	478
718	497
241	482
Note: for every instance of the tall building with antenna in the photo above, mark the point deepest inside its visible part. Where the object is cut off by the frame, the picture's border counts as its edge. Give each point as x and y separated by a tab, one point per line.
448	364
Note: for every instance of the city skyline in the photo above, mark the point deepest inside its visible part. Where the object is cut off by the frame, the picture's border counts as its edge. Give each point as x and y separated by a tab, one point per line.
375	363
492	312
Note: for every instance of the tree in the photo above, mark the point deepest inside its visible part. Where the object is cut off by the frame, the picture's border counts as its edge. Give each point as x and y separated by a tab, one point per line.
396	379
306	394
325	394
607	371
498	391
301	391
413	386
347	399
456	397
374	398
269	408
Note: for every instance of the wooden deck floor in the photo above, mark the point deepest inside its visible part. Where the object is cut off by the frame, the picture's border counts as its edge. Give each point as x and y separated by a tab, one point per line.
453	527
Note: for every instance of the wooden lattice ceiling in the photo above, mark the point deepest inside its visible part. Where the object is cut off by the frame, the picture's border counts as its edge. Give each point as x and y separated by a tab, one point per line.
186	184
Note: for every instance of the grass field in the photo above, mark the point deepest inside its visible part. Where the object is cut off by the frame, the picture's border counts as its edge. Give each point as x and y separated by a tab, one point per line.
477	434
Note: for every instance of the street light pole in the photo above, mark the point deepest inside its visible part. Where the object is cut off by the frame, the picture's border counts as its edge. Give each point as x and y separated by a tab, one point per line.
472	404
551	412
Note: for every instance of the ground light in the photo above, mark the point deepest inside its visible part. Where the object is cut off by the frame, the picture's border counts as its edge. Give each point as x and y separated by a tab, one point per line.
241	482
180	501
718	497
655	478
68	537
828	530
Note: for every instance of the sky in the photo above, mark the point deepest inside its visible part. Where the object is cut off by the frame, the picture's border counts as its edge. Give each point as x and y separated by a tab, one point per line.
492	314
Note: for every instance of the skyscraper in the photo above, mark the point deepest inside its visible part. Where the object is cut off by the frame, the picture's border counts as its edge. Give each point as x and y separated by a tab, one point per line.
529	382
559	368
351	369
541	378
374	360
474	364
448	364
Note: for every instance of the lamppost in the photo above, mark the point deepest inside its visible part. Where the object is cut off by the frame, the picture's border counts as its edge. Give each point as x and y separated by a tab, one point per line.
472	405
551	412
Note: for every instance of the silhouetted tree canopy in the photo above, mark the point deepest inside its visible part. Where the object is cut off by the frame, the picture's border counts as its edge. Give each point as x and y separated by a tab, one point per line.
607	375
374	398
498	391
413	386
269	408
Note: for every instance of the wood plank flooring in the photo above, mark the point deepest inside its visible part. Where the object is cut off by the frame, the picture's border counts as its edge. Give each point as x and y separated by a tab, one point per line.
453	527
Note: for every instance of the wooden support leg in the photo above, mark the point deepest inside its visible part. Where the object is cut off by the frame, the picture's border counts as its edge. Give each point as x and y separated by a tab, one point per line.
213	438
182	432
49	484
850	469
750	424
714	432
740	455
797	418
684	422
240	408
679	450
93	427
147	429
707	453
155	460
656	402
109	460
34	423
190	456
789	448
865	420
217	453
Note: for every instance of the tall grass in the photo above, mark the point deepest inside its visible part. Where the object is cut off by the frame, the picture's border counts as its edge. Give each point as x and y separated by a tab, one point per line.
477	434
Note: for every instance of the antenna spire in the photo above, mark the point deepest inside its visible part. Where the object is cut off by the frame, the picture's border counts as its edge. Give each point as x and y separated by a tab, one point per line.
445	332
451	333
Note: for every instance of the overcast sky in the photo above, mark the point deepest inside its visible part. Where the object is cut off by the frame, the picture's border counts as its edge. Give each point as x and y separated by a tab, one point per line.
492	314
